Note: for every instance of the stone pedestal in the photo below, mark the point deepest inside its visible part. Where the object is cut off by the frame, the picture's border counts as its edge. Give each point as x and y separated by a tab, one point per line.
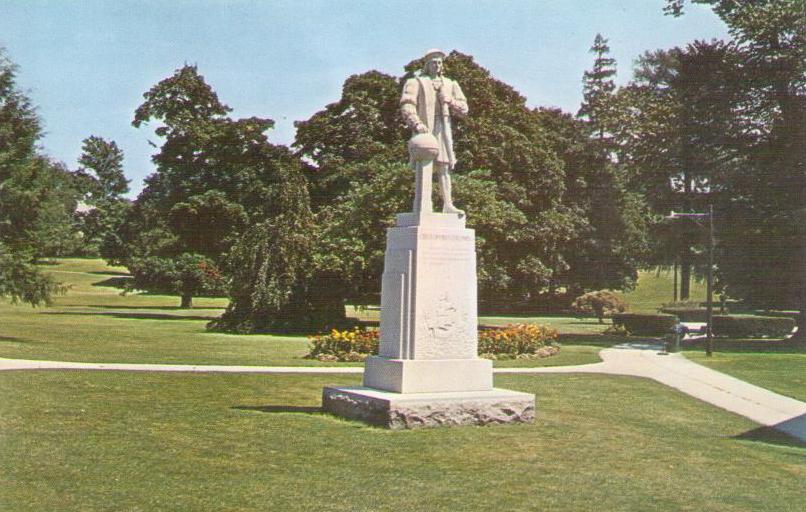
418	410
428	372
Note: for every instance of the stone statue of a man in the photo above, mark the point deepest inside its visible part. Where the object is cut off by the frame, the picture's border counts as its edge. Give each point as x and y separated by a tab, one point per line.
427	104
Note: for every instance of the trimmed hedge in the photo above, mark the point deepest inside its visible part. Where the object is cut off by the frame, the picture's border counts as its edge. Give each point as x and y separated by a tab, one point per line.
645	325
689	314
752	326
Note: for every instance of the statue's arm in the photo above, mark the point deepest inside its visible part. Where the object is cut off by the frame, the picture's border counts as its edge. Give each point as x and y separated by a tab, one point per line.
408	106
458	103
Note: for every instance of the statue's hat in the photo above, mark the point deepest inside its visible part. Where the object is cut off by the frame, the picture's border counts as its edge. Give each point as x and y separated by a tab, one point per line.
433	51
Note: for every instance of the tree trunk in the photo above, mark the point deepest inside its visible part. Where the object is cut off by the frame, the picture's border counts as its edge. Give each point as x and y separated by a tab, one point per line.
187	301
685	273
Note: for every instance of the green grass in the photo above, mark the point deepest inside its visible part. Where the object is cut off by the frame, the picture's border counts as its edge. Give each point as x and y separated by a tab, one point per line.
94	323
784	373
655	289
133	441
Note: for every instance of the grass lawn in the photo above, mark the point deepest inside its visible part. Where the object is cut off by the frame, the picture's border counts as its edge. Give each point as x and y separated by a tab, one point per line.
94	323
782	372
132	441
655	289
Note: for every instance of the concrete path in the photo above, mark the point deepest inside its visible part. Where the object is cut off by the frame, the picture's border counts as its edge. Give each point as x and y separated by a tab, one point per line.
758	404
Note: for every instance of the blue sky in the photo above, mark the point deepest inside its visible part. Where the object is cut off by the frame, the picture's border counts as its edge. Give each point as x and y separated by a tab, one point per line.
86	64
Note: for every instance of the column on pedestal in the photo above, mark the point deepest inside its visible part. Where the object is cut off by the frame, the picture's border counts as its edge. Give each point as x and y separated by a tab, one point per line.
429	309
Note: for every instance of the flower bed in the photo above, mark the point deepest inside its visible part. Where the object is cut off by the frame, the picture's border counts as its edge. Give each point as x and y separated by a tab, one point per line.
350	346
518	341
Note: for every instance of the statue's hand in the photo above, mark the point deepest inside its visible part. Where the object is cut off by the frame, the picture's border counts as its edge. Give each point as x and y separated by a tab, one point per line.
444	98
421	128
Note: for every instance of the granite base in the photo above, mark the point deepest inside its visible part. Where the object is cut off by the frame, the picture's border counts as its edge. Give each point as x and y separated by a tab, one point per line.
399	411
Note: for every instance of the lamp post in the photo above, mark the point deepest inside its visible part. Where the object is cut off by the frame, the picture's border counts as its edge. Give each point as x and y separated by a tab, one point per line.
709	335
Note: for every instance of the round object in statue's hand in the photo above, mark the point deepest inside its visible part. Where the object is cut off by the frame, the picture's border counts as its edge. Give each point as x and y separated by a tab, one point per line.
423	147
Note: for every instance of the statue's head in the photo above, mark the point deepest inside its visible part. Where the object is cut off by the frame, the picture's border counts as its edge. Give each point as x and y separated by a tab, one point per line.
434	62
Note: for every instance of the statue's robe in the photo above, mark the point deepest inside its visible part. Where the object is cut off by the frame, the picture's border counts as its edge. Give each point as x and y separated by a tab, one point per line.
419	105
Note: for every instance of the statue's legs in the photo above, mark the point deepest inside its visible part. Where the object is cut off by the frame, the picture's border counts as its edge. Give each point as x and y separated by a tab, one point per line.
445	189
423	187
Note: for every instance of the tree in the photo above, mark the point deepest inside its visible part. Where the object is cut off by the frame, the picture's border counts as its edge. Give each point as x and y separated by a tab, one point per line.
224	193
678	136
101	173
27	183
611	242
272	281
764	253
598	87
508	161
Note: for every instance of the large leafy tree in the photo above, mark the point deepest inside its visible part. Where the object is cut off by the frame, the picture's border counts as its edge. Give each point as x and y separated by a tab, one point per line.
764	247
33	192
223	200
510	176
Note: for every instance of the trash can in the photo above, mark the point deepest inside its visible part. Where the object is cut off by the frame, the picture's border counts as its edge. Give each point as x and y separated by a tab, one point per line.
674	337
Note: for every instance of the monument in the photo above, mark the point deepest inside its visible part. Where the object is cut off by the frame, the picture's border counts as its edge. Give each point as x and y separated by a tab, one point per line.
428	372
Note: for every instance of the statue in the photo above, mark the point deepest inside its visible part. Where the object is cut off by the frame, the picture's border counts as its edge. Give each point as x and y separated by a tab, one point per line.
427	104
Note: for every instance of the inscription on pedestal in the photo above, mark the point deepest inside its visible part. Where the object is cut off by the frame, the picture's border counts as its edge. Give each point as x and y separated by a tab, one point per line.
432	316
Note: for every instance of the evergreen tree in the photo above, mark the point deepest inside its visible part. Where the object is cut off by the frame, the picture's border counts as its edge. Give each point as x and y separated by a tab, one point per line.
598	88
679	136
764	256
30	195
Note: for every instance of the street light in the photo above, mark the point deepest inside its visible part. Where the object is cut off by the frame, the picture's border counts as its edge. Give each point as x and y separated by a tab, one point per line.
709	333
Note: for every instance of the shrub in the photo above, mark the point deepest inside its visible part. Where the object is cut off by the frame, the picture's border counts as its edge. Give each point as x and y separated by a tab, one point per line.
351	345
752	326
600	304
645	325
520	341
616	330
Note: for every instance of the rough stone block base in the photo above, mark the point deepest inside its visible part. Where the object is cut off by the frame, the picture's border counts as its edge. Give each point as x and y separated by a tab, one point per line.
418	410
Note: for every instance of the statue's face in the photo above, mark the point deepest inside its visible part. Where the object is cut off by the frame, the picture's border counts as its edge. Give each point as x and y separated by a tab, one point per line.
434	65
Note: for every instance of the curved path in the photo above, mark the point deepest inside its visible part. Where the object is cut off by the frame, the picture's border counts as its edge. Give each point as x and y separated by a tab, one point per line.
758	404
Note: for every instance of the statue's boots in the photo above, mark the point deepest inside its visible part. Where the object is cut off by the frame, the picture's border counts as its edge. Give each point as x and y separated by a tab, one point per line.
450	208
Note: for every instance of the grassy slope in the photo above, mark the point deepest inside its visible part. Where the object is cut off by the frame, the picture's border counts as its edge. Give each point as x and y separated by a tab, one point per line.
124	441
655	289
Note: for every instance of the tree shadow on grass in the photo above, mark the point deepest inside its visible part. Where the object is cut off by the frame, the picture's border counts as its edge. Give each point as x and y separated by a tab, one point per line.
159	308
135	316
118	282
14	339
296	409
109	273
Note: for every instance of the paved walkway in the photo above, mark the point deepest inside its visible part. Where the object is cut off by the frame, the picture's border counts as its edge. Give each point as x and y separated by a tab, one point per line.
758	404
